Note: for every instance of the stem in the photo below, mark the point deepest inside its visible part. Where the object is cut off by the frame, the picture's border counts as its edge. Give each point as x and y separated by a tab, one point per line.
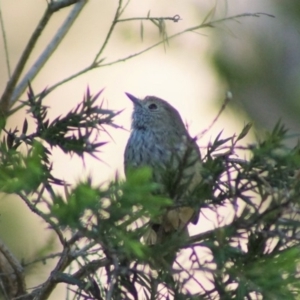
5	44
44	216
113	24
175	19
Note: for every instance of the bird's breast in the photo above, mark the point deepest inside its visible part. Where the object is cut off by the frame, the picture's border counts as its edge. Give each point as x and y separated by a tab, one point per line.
144	147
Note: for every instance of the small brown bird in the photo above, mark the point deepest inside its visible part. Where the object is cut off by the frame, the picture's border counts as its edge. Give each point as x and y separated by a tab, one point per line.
160	140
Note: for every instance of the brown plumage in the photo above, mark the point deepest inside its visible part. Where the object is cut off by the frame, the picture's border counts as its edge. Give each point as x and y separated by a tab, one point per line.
160	140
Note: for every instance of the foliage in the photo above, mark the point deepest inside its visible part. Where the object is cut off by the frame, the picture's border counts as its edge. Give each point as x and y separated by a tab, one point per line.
260	236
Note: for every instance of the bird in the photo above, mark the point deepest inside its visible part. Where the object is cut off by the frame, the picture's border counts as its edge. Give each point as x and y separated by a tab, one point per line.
160	140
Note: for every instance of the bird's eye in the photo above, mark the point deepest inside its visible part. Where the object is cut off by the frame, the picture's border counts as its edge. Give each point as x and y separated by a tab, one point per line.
152	106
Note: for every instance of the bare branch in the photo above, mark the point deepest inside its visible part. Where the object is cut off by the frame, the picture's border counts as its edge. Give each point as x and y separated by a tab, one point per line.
5	44
11	272
34	70
110	31
46	218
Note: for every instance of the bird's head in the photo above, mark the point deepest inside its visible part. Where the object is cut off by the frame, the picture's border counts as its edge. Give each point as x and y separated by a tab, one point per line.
155	113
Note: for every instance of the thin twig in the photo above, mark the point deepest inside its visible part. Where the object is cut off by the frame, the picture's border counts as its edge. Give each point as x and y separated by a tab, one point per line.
175	19
112	26
124	7
85	70
42	259
91	268
226	100
47	219
5	43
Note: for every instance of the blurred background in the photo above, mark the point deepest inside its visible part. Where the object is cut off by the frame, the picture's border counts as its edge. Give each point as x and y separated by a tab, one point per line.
256	58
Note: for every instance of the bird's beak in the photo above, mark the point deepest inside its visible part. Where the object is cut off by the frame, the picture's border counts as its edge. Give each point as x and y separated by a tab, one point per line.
135	100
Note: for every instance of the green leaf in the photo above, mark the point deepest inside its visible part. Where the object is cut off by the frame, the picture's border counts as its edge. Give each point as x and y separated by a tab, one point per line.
244	132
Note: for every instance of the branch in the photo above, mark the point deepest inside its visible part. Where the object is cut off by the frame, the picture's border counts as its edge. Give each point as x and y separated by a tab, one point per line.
34	70
12	272
46	289
5	45
46	218
175	19
91	268
113	24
